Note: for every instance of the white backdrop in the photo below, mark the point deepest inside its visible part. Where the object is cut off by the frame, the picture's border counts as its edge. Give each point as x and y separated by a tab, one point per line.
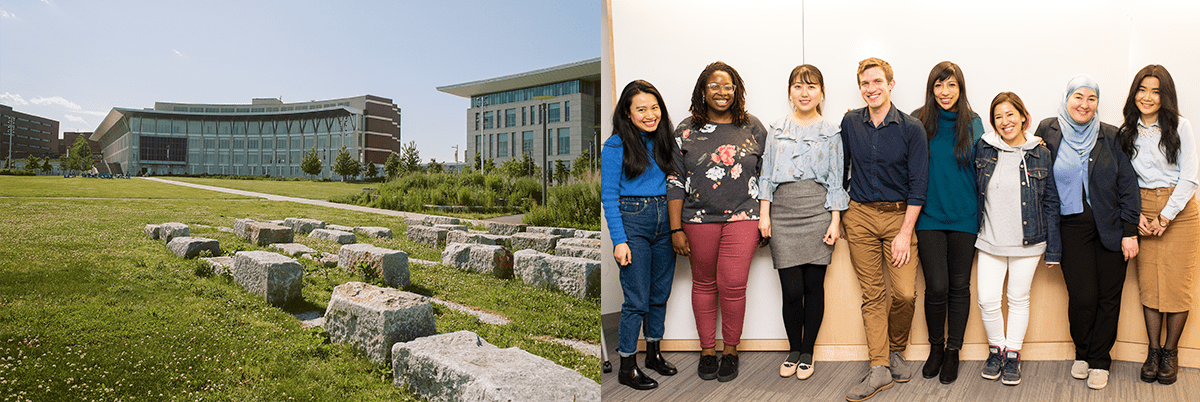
1031	48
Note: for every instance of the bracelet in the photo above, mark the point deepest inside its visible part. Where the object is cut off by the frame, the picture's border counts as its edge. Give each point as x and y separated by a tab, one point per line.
675	230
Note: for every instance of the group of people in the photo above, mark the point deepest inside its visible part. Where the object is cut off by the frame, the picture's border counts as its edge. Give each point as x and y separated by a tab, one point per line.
930	186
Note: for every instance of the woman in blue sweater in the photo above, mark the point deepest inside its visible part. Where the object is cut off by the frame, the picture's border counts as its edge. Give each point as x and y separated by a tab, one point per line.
634	164
948	223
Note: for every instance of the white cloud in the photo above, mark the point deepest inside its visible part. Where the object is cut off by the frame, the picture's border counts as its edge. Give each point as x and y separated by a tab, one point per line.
92	113
6	14
178	53
46	1
55	100
76	119
14	99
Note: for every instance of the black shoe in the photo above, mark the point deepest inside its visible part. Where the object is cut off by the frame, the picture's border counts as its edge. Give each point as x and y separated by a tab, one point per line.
729	369
933	364
1168	369
1150	367
949	367
655	361
707	369
631	376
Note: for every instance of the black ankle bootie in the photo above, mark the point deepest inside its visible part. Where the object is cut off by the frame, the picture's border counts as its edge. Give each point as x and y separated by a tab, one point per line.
1168	369
949	367
1150	367
933	364
631	376
656	362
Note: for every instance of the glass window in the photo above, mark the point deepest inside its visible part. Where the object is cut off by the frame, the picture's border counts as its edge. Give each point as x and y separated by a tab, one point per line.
487	120
212	110
310	142
170	149
239	158
193	126
253	159
297	143
567	111
322	125
210	143
135	124
478	147
223	127
243	110
253	127
322	142
523	121
210	127
564	141
510	117
268	143
252	143
502	143
178	126
293	126
239	143
552	113
226	110
257	110
527	142
309	126
239	127
224	143
268	127
477	121
196	109
224	160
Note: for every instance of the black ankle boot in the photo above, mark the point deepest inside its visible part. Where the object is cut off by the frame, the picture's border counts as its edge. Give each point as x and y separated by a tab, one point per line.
933	364
1150	367
1168	369
631	376
949	366
656	362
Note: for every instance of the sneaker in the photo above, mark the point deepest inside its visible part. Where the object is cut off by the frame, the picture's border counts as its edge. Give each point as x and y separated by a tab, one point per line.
877	379
1011	372
1079	370
805	367
707	369
788	368
1097	378
728	370
995	360
901	370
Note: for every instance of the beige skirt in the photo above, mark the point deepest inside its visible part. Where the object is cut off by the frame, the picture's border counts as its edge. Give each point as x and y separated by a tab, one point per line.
1167	264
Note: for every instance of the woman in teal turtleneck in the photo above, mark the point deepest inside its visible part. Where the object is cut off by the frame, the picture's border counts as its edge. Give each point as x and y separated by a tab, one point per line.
949	221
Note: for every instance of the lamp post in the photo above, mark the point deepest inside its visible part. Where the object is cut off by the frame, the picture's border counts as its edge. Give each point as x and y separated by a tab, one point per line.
545	144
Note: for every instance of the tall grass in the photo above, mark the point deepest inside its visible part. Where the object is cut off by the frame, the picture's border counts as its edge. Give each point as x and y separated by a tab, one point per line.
573	205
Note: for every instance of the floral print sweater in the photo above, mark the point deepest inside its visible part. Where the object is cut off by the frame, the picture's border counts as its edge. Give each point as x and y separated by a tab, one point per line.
720	165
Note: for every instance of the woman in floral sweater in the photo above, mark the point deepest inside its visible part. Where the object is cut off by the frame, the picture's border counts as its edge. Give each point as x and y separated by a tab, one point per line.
713	206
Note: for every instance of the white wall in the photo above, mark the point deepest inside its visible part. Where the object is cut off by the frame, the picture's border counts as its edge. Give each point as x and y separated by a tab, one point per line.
1028	47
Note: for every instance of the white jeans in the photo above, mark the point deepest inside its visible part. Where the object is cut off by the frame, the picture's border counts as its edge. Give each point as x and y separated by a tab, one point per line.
990	280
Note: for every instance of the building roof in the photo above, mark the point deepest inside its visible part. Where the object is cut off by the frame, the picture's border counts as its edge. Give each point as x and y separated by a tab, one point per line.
116	113
587	69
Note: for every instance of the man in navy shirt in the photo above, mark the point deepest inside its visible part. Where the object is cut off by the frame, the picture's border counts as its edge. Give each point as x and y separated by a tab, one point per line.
887	162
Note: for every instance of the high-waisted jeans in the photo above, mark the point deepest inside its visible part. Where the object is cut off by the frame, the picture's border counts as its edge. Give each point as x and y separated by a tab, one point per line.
646	281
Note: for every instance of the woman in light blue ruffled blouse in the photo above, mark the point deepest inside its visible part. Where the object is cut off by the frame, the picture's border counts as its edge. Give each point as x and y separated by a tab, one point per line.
802	178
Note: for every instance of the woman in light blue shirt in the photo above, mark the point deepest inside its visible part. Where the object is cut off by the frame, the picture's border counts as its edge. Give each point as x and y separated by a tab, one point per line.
1163	152
802	178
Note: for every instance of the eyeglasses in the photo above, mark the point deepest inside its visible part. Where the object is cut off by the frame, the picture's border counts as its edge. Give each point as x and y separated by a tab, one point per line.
717	88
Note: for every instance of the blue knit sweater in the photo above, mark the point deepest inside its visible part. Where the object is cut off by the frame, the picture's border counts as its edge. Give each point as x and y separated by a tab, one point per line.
950	201
614	184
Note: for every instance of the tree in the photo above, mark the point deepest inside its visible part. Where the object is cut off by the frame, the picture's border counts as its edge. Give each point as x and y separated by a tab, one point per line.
8	163
345	165
311	164
561	173
584	165
372	171
32	163
489	165
46	166
80	155
392	167
478	162
435	166
410	161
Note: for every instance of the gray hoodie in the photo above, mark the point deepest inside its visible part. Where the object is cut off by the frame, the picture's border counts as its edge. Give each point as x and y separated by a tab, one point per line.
1001	233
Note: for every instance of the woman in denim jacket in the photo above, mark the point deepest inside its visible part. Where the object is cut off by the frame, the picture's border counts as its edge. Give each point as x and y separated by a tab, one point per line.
1013	174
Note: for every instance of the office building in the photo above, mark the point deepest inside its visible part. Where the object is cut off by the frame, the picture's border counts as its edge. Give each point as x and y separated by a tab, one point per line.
24	134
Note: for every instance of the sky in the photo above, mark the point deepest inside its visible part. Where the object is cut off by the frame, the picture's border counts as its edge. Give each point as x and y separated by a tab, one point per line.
73	61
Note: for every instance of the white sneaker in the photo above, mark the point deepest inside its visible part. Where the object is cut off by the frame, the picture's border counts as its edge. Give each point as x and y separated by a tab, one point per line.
1097	378
1079	370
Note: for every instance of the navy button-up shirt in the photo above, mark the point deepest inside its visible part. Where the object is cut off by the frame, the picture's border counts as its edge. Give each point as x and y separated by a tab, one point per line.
887	163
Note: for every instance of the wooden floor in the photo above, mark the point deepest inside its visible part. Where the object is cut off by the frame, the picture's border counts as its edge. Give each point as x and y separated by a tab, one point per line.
758	380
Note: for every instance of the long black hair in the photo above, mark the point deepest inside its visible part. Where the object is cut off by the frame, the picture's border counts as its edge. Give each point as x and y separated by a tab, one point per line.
699	108
928	114
637	157
1168	113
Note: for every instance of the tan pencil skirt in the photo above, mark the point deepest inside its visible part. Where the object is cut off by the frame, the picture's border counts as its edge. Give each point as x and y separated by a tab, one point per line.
1167	264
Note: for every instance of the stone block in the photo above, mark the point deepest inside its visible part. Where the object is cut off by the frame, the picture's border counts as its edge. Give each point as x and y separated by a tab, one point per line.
264	234
414	221
579	252
171	230
374	231
574	276
190	247
241	227
496	260
151	231
293	249
461	366
507	229
303	225
579	242
275	277
461	228
457	236
220	265
373	319
333	235
564	232
341	228
279	222
534	241
588	234
391	265
427	235
441	220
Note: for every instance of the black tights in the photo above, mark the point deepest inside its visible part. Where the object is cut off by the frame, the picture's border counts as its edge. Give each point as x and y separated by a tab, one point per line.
803	304
1154	321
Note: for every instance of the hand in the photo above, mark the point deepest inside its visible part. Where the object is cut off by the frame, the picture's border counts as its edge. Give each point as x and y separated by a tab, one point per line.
1143	225
764	226
1129	247
833	233
1159	225
900	249
679	241
621	252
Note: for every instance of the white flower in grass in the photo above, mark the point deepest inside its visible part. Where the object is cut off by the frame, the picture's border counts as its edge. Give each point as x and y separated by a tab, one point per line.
715	174
708	128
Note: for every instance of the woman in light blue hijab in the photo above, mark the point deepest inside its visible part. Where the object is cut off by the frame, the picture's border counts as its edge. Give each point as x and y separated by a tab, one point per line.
1100	199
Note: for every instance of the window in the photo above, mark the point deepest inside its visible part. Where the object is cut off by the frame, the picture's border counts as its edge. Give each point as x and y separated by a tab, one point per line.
224	142
523	121
476	121
527	142
227	110
239	127
564	141
239	143
567	111
252	143
210	143
478	147
193	126
510	117
223	127
487	120
178	126
268	143
162	148
552	113
212	110
243	110
196	109
502	141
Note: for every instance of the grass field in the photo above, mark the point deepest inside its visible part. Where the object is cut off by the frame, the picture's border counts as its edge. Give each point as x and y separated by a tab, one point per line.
300	189
57	186
94	310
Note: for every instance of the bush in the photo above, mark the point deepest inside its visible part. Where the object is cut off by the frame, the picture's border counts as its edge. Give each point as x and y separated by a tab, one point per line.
571	206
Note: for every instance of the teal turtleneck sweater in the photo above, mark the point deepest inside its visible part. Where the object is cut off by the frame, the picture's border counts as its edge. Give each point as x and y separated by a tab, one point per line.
950	202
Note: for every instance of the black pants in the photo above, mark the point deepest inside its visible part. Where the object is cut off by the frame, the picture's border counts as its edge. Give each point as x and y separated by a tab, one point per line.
946	257
1095	277
803	304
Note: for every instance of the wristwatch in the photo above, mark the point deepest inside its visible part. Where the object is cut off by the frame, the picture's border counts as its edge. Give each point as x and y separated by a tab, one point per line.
1162	223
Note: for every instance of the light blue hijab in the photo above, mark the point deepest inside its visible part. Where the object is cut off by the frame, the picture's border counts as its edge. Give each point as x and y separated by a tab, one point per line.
1071	166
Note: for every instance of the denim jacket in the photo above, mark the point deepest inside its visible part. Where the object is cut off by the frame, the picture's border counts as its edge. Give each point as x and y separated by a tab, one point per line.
1039	197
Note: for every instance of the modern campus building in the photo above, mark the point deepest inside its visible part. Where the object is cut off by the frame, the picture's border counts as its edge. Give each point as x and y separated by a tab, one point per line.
264	137
505	119
23	134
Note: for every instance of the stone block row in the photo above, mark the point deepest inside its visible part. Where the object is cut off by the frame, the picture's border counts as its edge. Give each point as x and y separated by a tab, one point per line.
507	229
427	235
476	238
166	231
373	319
492	259
577	277
303	225
534	241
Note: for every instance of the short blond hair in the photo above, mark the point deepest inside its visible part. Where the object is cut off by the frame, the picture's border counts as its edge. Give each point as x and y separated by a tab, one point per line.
875	62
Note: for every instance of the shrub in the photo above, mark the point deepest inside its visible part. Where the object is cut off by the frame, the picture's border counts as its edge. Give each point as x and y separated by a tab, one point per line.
572	206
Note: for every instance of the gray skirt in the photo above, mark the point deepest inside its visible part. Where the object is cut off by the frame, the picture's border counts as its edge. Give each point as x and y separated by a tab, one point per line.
798	223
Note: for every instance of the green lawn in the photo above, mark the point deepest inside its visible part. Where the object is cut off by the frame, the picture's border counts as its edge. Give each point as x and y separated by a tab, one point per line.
299	189
94	310
58	186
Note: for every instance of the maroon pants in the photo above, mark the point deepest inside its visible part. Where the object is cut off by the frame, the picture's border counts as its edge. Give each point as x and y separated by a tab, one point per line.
721	255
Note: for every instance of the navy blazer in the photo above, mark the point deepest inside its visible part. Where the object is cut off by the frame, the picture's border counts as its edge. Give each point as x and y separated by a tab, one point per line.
1114	196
